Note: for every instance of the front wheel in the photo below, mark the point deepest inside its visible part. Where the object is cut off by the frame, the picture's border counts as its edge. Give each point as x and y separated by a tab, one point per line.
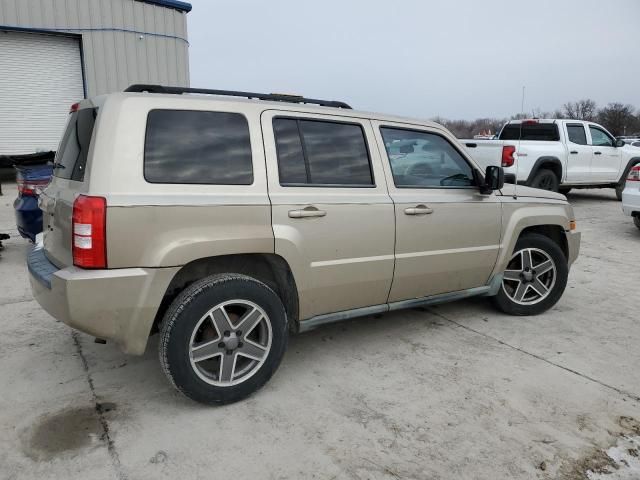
223	338
535	278
636	221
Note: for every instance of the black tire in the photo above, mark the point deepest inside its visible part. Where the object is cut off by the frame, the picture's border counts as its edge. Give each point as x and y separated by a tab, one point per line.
188	310
503	302
564	190
636	221
545	180
619	189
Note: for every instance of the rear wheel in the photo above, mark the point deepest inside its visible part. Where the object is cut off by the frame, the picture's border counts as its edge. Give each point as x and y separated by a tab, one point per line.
535	278
636	221
564	190
619	189
545	180
222	338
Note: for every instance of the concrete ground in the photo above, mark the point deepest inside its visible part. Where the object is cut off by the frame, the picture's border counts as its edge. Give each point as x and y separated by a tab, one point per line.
450	392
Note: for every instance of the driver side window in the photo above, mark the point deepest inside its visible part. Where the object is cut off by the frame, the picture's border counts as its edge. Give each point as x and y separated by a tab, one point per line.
600	138
425	160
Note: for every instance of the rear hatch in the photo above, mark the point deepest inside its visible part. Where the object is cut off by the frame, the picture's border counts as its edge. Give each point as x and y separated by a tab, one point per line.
68	181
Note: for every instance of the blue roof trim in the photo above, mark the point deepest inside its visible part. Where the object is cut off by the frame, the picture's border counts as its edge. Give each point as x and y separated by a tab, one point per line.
182	6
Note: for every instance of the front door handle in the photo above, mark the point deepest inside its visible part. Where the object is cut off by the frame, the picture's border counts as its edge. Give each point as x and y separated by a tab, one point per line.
597	153
573	152
306	213
418	210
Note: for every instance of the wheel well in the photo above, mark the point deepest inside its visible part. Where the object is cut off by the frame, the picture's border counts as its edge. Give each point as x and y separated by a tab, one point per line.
554	232
270	269
554	166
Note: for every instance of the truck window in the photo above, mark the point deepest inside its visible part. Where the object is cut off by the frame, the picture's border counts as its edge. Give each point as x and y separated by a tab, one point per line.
577	134
599	138
71	158
542	132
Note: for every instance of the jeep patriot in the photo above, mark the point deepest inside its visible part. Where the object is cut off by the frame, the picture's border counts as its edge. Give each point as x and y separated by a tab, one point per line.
226	220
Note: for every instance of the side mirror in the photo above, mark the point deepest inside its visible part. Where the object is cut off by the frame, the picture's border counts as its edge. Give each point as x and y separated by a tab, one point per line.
493	179
620	143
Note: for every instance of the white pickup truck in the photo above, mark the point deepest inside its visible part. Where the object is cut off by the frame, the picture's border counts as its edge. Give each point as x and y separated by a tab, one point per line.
558	155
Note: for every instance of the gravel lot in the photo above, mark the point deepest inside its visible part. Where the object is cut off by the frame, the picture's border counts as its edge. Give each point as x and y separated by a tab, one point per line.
450	392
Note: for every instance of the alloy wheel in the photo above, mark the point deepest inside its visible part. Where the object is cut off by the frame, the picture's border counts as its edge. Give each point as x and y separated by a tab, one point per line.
529	277
230	343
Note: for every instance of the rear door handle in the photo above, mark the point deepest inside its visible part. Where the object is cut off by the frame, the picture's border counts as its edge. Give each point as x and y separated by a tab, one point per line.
573	152
418	210
306	213
597	153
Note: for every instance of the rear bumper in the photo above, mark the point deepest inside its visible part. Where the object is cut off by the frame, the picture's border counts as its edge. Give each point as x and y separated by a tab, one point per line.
28	217
631	200
118	305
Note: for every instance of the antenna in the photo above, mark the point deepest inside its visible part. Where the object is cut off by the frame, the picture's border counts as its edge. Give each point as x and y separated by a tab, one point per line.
515	187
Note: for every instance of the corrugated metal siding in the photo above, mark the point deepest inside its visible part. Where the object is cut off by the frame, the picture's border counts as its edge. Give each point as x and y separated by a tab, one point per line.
113	59
40	77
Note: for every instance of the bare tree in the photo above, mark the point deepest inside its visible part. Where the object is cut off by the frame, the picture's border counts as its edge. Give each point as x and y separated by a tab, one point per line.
585	109
619	119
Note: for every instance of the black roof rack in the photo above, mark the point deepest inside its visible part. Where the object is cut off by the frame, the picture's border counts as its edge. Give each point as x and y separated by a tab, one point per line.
277	97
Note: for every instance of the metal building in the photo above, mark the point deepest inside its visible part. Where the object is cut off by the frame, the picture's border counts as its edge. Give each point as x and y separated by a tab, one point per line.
56	52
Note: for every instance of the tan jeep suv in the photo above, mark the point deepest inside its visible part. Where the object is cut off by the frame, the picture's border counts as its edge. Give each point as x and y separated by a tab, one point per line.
224	223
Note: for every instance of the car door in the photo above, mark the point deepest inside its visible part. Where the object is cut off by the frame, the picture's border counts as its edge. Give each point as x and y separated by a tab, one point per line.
605	162
447	233
579	154
333	219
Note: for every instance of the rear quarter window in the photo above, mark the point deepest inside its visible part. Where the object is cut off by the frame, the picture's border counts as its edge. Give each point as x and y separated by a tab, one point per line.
71	158
542	132
197	147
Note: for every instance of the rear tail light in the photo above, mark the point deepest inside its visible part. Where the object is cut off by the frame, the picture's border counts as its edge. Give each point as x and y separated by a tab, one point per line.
634	174
90	232
29	188
507	155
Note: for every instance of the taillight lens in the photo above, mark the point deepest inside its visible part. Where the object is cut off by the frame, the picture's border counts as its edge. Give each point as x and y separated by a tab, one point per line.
634	174
507	155
28	188
90	232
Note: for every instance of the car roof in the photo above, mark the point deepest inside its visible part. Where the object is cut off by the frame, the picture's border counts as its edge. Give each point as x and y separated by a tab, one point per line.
219	102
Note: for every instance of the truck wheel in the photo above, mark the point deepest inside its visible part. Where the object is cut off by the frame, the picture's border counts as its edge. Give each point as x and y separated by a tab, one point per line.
636	221
545	180
535	278
564	190
619	189
222	338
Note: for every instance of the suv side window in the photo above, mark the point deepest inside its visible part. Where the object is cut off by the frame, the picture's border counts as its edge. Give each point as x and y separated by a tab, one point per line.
319	152
599	138
425	160
577	133
197	147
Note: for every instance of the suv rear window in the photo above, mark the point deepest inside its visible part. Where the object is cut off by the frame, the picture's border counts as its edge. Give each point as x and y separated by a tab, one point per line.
543	132
197	147
71	158
316	152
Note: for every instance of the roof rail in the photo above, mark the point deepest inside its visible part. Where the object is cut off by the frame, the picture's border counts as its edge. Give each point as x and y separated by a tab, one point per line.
277	97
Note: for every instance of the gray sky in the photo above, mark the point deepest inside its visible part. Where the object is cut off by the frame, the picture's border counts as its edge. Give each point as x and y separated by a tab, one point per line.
453	58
